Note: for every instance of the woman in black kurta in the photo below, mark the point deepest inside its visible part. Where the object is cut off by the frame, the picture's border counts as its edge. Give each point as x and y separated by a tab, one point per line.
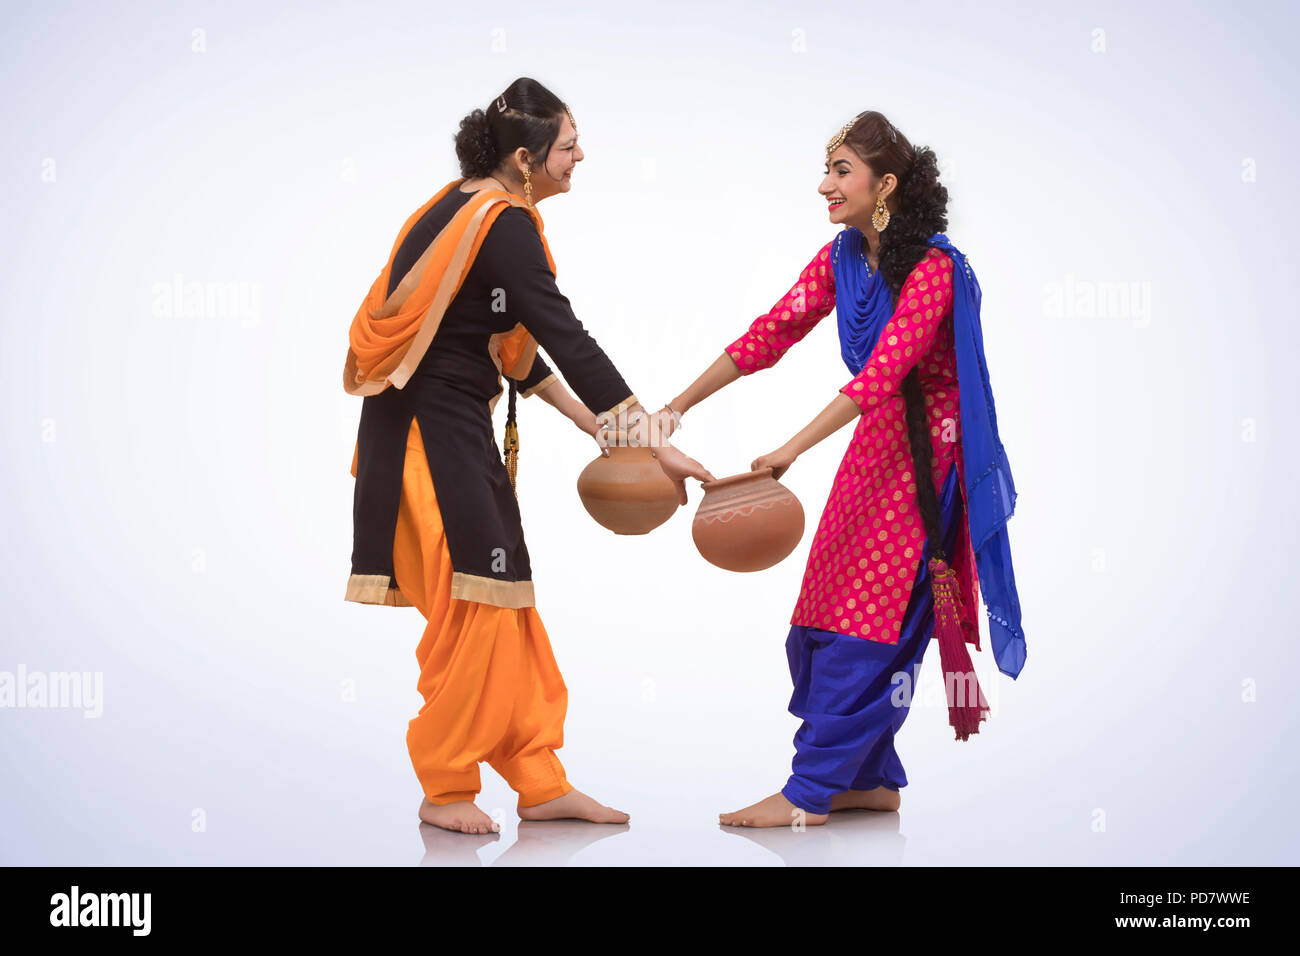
452	395
437	524
492	689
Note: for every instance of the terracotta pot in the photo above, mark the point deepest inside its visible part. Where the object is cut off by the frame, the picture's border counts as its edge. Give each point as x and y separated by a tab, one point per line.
628	492
747	522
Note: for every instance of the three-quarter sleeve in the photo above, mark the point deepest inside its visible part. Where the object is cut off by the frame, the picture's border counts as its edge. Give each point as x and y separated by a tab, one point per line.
770	336
512	258
924	301
539	377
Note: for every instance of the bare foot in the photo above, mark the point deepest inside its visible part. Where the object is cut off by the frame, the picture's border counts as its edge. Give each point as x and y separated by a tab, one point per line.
775	811
574	805
881	798
462	815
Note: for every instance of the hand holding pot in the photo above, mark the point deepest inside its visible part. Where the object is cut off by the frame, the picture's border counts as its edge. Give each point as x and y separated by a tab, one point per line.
601	435
779	461
678	467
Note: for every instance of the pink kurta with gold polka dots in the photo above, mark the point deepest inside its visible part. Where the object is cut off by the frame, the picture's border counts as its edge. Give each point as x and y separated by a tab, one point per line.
871	538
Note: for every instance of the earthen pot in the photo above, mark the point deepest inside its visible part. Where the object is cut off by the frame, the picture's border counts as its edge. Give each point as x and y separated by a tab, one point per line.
628	492
747	522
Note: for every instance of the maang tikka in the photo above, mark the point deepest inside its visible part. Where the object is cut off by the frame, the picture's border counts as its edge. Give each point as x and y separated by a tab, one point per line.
838	139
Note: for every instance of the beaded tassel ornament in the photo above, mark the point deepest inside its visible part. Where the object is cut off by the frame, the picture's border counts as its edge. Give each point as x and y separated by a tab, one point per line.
964	714
512	441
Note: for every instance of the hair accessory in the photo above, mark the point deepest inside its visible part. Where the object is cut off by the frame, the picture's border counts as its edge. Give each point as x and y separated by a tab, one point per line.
501	103
893	135
838	138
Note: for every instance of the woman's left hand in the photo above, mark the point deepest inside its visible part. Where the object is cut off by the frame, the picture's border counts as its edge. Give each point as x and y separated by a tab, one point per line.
678	467
780	460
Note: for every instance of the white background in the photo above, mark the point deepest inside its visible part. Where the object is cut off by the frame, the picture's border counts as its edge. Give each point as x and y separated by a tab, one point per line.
177	492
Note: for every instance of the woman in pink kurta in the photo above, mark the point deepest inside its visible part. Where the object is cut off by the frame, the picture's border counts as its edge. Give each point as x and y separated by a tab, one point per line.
914	525
870	538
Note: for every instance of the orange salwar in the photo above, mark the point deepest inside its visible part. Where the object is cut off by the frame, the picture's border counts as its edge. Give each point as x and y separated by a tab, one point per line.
492	690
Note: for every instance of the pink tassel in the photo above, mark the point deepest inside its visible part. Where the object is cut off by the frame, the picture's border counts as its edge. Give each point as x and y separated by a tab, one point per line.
949	617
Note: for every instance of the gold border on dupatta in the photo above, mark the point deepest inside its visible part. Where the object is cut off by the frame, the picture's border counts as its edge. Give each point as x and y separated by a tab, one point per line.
442	297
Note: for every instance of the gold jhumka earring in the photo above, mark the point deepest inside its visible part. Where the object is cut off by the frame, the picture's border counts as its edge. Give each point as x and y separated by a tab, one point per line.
528	187
880	216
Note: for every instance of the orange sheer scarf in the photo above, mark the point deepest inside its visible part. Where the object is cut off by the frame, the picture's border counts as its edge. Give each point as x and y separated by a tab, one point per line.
390	334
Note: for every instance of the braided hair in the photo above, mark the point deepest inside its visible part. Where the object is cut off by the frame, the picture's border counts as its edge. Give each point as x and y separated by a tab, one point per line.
527	114
918	208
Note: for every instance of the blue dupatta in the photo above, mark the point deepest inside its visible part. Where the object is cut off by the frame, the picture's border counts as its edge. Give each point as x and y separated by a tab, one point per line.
863	307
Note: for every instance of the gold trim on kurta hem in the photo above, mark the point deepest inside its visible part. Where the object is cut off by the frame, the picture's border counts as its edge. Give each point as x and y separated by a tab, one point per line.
544	383
474	587
375	589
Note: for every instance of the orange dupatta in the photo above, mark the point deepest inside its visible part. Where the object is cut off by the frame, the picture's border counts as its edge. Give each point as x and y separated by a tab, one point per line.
390	334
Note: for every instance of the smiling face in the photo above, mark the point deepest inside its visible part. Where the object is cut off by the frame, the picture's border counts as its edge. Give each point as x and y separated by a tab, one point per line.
851	189
555	175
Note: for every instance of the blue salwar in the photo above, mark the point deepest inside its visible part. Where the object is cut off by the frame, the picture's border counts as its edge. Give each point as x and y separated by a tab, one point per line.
850	694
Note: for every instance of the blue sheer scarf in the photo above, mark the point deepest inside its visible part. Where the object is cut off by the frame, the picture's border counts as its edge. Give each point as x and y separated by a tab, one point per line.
863	306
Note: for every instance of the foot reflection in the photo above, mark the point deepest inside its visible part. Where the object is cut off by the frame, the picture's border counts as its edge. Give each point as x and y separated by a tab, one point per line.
848	838
451	848
537	843
554	842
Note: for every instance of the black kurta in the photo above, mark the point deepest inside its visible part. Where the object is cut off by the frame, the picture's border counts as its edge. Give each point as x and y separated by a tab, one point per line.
451	394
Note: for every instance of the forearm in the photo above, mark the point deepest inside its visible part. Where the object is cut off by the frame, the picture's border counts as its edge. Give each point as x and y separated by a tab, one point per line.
722	372
832	418
558	397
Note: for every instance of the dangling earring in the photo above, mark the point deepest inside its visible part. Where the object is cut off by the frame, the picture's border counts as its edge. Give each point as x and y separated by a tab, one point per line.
528	187
880	217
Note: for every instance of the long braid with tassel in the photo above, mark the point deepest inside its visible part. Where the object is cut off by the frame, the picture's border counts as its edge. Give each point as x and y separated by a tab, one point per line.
512	440
965	711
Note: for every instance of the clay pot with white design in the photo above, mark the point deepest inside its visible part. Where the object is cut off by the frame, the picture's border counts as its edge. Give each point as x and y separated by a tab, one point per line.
747	522
628	492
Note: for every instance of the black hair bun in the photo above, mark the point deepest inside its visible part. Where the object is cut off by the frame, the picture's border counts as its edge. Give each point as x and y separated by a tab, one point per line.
474	146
